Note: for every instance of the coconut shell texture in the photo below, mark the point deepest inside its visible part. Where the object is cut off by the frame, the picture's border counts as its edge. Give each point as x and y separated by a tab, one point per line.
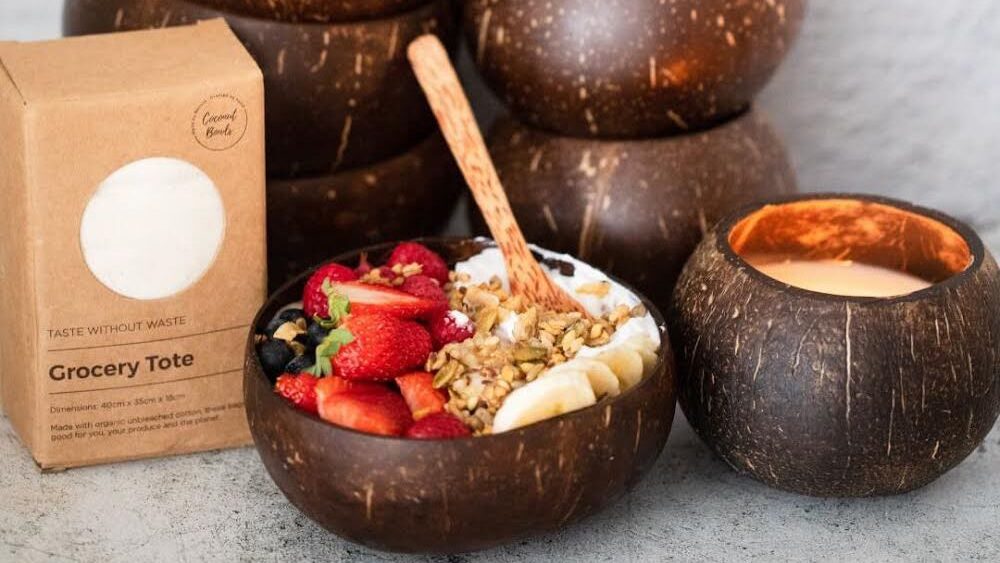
460	495
636	209
311	219
837	396
629	68
315	10
339	96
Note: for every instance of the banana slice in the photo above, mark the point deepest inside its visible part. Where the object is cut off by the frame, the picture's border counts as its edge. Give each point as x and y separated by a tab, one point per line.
626	363
647	349
550	395
602	379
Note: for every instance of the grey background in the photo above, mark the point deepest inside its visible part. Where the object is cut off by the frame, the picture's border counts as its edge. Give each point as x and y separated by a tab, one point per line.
898	97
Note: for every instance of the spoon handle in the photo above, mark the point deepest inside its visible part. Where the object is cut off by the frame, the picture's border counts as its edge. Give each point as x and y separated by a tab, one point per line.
444	92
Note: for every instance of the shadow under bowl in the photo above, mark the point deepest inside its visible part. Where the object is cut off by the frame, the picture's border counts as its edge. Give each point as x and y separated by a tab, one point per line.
459	495
322	11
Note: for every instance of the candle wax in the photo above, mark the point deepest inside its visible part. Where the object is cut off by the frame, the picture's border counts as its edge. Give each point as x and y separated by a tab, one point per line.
839	277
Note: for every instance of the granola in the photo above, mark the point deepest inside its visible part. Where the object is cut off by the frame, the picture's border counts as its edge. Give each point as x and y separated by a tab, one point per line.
480	372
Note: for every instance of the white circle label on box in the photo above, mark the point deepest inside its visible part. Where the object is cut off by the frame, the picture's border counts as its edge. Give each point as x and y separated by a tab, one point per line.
153	228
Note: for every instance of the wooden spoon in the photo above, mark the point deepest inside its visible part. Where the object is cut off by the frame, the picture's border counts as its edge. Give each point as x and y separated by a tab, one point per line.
440	83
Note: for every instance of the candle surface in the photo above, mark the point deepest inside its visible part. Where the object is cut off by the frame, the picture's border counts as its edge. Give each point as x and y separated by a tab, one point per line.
839	277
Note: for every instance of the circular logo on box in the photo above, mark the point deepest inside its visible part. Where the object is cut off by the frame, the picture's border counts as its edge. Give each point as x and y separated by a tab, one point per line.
220	122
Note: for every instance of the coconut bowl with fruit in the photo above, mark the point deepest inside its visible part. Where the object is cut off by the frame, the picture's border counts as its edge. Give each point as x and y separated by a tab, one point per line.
404	399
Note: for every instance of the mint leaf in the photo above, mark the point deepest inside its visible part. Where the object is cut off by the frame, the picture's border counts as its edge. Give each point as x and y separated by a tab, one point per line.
329	348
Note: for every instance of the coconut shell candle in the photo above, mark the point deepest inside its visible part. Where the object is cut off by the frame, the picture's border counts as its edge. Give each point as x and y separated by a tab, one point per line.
339	95
617	68
310	219
836	395
597	199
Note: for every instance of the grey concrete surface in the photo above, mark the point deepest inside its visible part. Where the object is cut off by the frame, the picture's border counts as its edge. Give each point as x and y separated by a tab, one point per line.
692	507
894	97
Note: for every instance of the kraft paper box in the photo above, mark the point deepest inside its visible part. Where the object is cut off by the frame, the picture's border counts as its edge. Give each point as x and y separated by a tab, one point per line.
131	241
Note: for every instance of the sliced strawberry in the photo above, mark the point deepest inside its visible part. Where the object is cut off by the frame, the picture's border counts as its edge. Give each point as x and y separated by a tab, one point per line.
383	348
374	411
315	301
299	389
414	253
332	385
451	326
441	426
367	299
424	287
418	390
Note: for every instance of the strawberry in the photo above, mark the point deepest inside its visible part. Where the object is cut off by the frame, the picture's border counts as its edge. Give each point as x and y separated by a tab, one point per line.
419	392
441	426
366	299
374	411
332	385
424	287
382	348
315	300
450	326
299	389
414	253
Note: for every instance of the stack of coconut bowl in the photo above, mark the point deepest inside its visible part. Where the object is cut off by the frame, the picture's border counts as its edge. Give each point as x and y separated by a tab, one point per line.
633	127
353	153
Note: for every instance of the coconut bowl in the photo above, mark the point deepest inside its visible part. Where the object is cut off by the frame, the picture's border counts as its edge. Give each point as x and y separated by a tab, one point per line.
636	209
629	68
459	495
339	95
830	395
311	219
315	10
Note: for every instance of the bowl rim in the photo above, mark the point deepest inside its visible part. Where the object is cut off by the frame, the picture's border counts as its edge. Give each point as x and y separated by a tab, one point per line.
976	247
227	12
253	367
748	113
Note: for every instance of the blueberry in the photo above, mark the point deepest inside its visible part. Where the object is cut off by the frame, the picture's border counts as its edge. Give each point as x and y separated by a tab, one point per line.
274	356
315	335
300	364
286	316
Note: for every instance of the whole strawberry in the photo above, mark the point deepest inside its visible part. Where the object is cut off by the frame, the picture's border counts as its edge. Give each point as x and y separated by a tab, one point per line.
451	326
382	348
433	266
424	287
441	426
315	301
299	389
